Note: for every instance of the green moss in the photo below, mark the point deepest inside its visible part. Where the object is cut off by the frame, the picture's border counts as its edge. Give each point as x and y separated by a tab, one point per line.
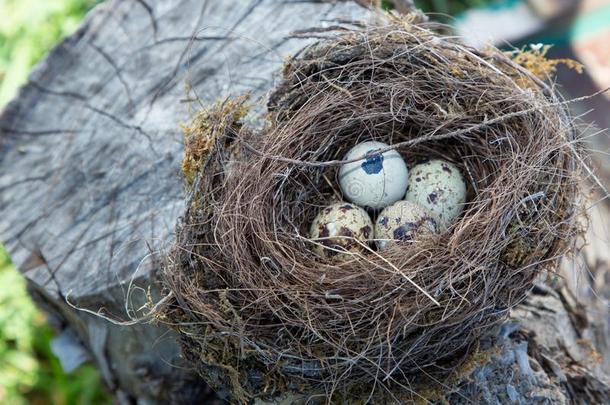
436	393
206	128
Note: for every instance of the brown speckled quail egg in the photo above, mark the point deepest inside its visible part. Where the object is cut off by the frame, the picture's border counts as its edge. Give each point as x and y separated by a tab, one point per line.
402	221
338	228
438	186
376	181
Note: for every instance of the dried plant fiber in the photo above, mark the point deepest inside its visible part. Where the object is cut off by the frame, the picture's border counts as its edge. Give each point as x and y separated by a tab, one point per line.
259	312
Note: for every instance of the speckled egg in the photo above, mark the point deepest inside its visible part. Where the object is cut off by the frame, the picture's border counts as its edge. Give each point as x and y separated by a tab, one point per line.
338	228
438	186
376	181
402	221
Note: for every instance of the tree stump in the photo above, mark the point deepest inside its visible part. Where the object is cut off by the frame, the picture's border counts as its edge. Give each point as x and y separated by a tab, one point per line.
90	191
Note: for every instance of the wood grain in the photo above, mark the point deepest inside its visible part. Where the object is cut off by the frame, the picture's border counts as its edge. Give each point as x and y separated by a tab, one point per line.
90	152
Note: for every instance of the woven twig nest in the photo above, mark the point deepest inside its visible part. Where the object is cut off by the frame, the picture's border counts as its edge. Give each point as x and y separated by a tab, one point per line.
259	312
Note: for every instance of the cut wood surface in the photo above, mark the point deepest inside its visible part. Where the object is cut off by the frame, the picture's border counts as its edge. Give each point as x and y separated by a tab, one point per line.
90	192
90	157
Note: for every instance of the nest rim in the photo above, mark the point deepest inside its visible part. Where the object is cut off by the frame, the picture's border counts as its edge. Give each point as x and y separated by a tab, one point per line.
254	305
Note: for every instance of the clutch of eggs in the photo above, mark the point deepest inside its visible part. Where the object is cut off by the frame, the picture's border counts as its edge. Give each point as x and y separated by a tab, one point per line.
402	221
438	186
376	181
340	228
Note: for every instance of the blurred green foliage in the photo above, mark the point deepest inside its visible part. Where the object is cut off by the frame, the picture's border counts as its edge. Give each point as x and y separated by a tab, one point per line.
28	29
449	7
444	10
29	372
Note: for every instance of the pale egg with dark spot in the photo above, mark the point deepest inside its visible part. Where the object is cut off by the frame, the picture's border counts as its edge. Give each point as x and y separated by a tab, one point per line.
376	181
403	221
438	186
341	228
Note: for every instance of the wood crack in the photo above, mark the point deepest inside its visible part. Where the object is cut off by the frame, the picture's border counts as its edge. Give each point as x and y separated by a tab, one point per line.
151	15
96	110
119	75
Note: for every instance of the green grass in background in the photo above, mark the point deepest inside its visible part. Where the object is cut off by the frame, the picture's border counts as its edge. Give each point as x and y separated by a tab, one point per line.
29	372
28	29
449	7
445	9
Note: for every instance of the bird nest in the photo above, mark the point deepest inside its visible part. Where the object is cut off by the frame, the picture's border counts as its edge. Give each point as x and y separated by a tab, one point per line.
258	312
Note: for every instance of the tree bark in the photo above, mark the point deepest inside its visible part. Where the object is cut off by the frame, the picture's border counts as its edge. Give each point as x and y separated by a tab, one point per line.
90	191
